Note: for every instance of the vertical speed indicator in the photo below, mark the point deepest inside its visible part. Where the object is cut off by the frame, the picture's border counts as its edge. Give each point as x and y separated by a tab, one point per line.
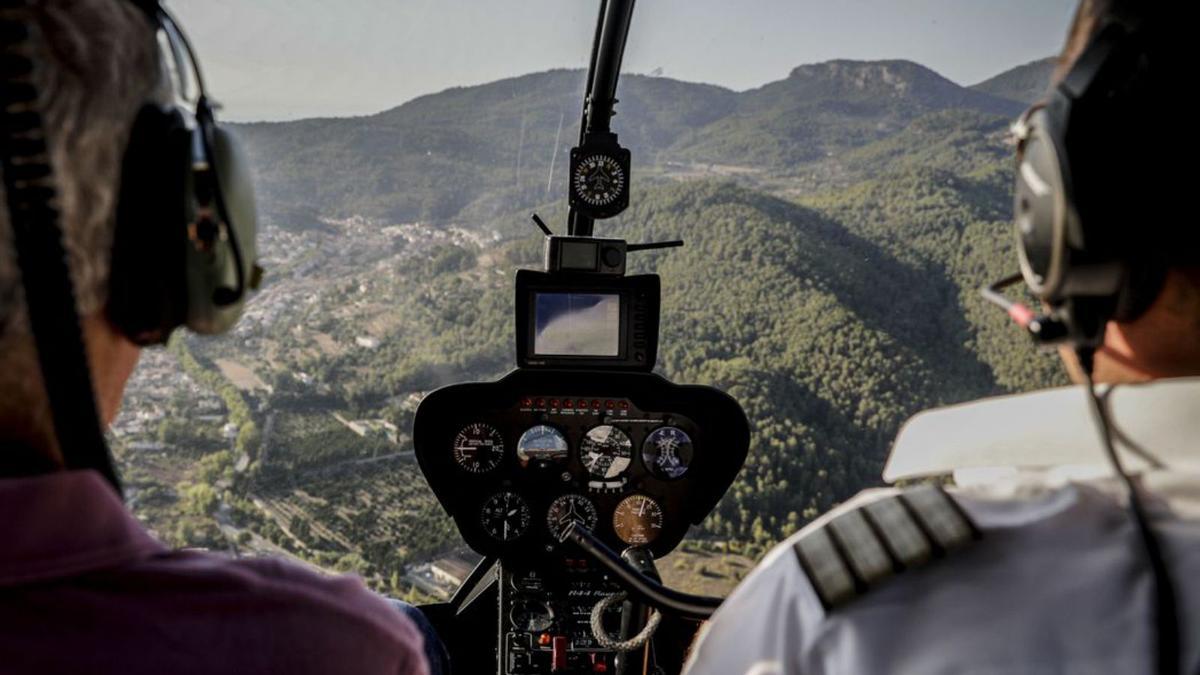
478	448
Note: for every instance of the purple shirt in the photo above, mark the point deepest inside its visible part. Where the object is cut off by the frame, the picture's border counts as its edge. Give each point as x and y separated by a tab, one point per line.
85	589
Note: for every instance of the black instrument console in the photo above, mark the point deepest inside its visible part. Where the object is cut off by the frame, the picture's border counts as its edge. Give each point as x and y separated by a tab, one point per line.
632	457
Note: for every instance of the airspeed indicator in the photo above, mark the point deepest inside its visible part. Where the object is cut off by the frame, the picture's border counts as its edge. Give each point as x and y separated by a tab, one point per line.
478	448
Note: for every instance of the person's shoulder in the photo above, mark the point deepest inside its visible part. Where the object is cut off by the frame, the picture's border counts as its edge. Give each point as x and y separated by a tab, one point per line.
875	536
778	611
335	616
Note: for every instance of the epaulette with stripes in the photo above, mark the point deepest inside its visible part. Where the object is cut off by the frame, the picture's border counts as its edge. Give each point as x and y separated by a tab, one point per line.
861	548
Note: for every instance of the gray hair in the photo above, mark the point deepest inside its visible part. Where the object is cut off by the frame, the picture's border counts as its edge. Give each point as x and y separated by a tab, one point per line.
100	64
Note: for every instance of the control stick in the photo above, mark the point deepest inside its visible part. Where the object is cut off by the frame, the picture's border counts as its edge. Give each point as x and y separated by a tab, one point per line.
637	584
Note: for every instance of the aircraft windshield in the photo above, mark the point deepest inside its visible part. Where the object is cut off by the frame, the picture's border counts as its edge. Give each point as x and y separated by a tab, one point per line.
839	172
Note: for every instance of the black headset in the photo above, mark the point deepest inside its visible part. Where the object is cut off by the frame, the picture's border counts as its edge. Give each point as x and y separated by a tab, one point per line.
1102	252
184	243
1093	255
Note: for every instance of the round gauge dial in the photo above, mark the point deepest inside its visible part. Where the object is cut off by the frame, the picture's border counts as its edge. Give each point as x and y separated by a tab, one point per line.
606	451
569	509
505	516
598	179
638	520
533	616
478	448
667	452
542	445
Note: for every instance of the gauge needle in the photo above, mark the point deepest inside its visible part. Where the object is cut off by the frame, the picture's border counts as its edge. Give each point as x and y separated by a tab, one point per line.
642	510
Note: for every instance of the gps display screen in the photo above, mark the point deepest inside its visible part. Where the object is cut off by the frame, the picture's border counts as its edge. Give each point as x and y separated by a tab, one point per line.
577	324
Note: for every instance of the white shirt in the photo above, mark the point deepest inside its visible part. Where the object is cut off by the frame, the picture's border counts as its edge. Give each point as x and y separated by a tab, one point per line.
1056	584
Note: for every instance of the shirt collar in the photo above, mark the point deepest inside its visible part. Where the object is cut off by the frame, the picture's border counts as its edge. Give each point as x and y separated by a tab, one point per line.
65	523
1053	430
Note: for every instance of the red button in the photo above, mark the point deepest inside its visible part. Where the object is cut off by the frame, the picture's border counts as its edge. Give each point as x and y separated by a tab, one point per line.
624	405
541	403
558	654
596	405
609	405
583	403
553	403
568	403
544	639
526	402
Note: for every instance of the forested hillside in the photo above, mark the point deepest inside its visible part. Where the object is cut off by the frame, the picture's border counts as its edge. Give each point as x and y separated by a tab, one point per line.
1025	83
838	225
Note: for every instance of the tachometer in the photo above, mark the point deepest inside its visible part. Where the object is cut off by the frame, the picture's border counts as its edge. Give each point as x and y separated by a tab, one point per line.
478	448
505	516
638	520
606	451
569	509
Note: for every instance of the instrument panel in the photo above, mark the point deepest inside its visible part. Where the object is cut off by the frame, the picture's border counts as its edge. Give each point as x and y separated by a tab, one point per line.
631	456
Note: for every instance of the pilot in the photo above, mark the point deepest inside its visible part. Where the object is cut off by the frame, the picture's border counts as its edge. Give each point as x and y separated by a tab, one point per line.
83	586
1041	558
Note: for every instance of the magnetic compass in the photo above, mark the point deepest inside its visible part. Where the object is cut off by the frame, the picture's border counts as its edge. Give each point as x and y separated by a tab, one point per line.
600	180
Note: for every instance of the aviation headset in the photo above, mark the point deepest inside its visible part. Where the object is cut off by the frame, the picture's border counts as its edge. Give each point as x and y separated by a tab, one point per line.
184	241
1102	252
184	246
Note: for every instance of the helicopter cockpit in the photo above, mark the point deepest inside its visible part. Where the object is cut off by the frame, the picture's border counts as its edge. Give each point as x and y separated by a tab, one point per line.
540	451
582	451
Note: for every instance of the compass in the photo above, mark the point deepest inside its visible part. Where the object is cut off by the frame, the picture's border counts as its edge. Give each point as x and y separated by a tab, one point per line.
600	180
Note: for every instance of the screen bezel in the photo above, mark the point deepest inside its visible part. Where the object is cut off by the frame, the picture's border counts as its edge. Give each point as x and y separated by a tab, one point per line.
639	294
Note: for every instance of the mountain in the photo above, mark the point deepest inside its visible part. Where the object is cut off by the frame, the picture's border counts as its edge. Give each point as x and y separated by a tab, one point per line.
465	153
827	108
1025	84
464	149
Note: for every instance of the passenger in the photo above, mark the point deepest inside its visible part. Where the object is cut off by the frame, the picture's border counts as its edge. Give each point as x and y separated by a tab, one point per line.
1034	565
83	587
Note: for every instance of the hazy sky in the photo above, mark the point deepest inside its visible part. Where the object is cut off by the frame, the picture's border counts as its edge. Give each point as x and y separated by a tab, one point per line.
285	59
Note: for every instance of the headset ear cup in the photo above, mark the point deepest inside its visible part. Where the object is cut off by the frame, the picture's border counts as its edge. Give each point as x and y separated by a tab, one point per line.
216	297
147	292
1042	207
